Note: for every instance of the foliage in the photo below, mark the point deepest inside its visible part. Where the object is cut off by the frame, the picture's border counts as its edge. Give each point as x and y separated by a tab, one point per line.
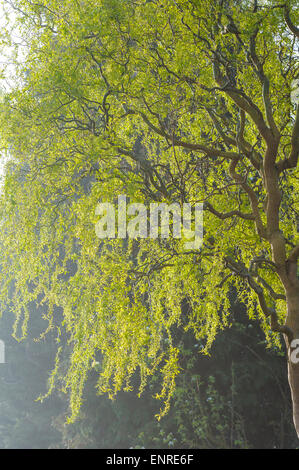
163	101
216	403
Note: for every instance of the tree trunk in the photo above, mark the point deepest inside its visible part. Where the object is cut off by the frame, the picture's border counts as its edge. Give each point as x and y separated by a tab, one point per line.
293	367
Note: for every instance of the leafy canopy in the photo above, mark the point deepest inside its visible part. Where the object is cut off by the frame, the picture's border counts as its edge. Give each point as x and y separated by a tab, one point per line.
143	98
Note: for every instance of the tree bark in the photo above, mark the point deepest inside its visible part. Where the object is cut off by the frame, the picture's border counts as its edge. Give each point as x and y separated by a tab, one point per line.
293	368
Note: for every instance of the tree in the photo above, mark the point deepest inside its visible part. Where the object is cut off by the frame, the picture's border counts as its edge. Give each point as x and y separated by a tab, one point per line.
169	101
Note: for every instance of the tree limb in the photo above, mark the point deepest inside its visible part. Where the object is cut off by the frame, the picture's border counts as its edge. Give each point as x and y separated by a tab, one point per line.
226	215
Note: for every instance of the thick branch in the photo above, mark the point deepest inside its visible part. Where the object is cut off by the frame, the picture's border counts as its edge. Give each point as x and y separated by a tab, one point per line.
226	215
294	255
226	139
240	269
292	160
292	265
209	151
261	230
271	291
289	22
242	101
259	70
147	168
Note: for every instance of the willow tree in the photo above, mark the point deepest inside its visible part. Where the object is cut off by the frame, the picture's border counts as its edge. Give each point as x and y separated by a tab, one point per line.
164	101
